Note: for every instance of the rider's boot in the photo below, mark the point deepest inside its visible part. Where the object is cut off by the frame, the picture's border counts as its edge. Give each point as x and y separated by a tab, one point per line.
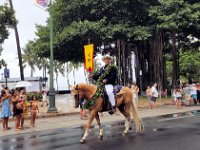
112	111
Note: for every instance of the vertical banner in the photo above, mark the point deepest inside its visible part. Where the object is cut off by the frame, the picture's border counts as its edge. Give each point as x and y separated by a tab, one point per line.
88	60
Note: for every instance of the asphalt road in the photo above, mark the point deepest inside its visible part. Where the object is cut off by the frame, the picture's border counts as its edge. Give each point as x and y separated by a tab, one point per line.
172	132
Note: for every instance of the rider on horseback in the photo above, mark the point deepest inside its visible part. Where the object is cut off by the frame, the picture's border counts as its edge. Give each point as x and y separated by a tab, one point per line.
109	80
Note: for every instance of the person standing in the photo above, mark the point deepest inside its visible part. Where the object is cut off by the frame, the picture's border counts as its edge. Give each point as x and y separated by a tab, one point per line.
135	89
198	92
17	109
5	111
44	95
109	74
178	97
34	109
149	94
21	108
154	94
186	92
193	93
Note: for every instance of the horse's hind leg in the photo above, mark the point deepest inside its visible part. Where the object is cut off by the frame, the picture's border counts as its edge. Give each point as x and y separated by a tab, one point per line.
126	113
88	124
100	127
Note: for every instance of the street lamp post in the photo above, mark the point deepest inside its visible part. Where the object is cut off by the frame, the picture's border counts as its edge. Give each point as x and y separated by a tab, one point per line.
52	107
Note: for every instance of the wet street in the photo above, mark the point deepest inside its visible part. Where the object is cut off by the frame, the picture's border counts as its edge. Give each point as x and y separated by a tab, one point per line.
169	132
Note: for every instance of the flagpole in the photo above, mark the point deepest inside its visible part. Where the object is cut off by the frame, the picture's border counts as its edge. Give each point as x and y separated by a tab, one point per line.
52	107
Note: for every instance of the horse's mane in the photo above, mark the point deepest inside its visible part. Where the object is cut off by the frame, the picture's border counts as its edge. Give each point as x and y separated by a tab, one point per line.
87	87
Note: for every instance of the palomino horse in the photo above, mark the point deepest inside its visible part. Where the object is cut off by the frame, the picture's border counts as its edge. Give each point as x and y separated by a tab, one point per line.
124	103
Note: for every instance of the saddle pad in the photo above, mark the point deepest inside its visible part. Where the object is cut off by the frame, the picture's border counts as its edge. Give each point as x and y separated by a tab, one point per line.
117	89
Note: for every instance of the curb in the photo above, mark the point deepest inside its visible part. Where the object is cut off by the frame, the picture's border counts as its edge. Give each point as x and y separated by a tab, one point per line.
48	115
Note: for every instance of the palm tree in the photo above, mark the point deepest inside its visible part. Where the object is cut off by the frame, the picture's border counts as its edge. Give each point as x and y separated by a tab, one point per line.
59	68
74	66
29	58
2	61
68	70
18	45
43	64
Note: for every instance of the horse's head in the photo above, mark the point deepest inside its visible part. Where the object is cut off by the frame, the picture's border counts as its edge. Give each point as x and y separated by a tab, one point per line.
78	95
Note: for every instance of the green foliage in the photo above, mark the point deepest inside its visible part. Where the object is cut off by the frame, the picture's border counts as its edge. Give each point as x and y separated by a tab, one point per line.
29	57
7	19
76	22
190	64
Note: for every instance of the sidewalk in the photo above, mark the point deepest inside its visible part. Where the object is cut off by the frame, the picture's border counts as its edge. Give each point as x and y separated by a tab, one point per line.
67	119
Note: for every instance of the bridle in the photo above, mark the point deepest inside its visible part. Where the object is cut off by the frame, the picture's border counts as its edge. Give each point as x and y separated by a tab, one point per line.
79	90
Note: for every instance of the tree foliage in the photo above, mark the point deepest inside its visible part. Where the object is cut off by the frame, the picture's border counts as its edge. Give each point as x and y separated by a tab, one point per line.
189	65
7	19
149	28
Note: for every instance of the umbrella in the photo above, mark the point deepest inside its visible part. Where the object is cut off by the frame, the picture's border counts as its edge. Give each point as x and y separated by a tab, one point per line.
23	84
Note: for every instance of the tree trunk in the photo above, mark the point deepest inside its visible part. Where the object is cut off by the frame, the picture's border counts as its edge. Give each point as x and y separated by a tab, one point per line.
123	62
175	75
68	75
18	46
155	69
31	72
74	76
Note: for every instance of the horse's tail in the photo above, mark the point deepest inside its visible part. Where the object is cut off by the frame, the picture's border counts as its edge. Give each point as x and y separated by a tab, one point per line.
137	121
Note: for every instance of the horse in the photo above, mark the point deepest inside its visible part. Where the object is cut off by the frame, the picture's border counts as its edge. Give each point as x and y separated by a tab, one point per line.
124	102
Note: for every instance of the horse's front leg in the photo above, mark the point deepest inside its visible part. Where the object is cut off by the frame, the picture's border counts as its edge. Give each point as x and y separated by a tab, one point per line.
88	124
100	127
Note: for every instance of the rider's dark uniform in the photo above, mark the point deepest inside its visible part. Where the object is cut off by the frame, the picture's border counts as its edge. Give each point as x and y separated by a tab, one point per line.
111	77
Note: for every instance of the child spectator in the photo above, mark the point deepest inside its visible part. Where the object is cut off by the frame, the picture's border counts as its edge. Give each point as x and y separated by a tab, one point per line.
193	93
135	89
178	97
5	111
186	91
34	109
154	94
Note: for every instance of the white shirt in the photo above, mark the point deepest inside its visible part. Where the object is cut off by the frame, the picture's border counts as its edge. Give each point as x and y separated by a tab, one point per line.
193	91
154	91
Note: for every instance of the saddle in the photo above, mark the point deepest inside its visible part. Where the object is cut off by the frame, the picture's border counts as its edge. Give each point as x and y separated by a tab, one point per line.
106	103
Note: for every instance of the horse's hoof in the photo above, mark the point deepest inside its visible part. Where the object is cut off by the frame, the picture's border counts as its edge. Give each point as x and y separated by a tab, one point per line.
124	134
100	137
82	141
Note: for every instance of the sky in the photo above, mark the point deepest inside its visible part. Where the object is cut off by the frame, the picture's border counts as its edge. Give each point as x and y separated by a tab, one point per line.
28	15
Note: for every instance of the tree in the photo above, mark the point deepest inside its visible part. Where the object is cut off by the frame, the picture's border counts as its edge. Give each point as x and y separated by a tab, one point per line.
7	20
175	18
145	27
59	68
18	45
29	58
189	65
